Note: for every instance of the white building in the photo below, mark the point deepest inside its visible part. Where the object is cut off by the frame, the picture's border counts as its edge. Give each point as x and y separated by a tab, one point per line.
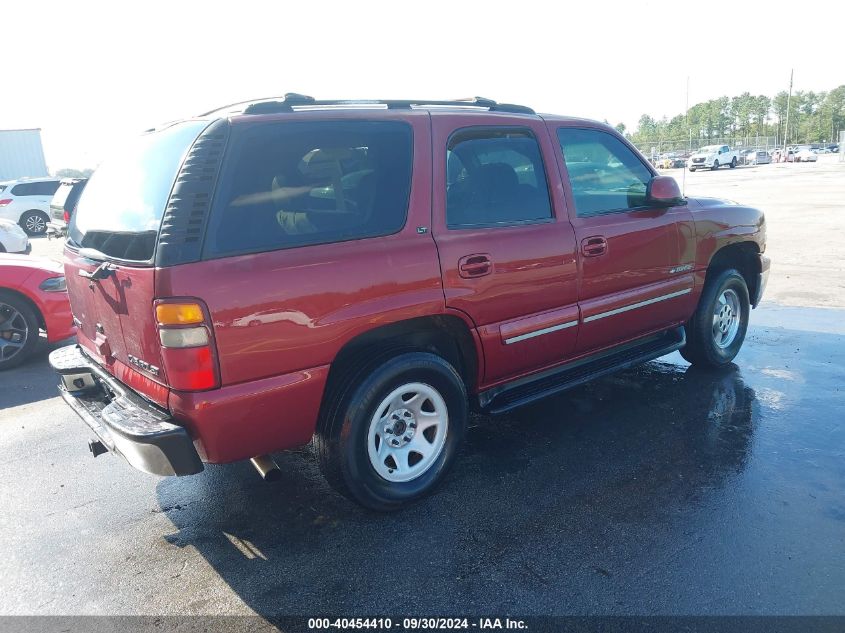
21	154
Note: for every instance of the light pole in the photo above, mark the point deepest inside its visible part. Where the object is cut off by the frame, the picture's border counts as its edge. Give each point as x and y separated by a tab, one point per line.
786	129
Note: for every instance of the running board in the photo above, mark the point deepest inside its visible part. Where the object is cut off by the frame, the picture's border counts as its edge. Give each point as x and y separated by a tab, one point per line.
526	390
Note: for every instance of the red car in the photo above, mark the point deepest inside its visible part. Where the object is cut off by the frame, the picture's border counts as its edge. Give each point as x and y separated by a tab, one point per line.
33	297
365	273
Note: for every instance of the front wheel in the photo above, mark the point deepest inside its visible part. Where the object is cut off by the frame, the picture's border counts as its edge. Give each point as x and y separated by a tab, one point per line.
715	165
392	429
733	162
716	331
692	168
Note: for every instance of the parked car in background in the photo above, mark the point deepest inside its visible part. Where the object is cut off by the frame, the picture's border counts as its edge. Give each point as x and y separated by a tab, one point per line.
822	150
13	238
27	202
63	204
779	156
670	160
713	157
33	297
805	155
758	157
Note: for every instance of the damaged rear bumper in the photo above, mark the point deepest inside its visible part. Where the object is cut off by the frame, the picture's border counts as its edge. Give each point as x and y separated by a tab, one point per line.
124	422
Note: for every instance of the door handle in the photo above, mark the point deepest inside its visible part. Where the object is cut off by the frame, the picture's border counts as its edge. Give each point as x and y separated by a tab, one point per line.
593	246
476	265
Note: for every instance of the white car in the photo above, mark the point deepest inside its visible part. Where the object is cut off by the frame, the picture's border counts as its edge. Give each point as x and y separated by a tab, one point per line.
13	238
713	157
805	155
27	202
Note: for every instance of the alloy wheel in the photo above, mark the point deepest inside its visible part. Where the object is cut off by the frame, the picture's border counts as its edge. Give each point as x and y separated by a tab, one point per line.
14	332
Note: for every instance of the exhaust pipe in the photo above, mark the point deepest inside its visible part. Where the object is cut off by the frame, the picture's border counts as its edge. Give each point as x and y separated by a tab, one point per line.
266	467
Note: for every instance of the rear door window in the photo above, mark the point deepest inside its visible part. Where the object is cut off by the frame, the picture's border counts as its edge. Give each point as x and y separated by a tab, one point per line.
495	177
289	184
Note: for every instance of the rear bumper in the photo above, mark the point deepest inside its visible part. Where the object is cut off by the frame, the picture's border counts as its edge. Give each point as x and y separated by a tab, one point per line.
123	421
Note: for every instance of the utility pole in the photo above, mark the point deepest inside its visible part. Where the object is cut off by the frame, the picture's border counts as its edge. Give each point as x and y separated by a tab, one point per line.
788	101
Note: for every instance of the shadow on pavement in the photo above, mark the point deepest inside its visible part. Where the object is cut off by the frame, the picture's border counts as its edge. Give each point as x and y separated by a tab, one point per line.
33	380
525	518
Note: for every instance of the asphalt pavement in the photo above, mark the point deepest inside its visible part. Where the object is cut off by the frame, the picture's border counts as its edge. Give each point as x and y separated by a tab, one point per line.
660	490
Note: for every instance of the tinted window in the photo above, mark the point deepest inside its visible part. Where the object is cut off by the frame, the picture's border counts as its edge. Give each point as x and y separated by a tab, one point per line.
297	183
120	209
42	188
495	177
604	173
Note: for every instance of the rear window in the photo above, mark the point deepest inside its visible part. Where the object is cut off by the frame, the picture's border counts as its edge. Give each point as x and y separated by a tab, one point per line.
290	184
61	194
120	209
42	188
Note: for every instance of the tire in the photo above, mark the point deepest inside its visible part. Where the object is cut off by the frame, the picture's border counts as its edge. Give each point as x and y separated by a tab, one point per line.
692	168
354	446
19	328
34	222
733	162
715	333
715	165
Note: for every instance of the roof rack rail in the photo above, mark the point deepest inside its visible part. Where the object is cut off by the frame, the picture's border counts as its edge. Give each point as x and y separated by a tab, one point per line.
292	100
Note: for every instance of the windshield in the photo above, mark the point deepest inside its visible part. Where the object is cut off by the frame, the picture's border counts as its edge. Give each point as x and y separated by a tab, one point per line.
708	149
120	209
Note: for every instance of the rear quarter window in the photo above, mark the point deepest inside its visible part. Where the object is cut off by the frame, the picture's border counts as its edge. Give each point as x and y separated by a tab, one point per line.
290	184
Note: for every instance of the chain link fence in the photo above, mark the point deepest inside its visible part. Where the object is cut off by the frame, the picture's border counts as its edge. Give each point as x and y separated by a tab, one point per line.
684	147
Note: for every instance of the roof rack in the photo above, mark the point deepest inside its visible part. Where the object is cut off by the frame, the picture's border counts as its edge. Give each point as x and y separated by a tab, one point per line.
293	100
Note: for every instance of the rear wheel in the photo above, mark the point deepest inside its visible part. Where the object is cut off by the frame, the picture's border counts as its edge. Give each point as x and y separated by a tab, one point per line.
18	330
715	165
716	331
34	222
733	162
391	429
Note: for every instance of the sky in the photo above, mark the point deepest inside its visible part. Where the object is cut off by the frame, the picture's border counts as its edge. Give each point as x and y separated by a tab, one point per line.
97	72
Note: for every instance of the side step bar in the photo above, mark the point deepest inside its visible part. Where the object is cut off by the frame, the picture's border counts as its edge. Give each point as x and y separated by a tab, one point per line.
526	390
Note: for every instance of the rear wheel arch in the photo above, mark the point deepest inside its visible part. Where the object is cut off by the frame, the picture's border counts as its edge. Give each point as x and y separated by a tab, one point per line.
445	335
744	257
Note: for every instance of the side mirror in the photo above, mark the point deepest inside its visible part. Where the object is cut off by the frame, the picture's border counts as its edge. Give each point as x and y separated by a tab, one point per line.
663	191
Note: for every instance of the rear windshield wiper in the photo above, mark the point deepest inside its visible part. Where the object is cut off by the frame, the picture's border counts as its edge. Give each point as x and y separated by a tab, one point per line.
104	270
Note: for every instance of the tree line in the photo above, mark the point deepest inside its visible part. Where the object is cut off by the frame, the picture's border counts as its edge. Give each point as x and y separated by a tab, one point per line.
814	117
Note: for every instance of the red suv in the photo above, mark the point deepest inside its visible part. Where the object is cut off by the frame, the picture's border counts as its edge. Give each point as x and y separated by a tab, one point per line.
364	273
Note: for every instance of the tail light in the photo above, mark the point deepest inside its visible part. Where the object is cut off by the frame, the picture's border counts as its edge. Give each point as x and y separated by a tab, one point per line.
5	202
66	216
187	344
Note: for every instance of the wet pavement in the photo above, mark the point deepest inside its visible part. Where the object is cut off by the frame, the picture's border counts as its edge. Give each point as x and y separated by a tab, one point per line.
660	490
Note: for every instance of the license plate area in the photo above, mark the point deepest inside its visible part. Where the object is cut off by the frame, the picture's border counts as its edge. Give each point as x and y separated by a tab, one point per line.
79	382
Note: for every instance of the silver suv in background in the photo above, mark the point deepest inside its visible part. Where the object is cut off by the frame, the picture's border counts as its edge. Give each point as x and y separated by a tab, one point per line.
27	203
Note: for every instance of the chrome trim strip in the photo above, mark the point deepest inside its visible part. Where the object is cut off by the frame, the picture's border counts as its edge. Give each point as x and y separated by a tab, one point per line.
639	304
545	330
